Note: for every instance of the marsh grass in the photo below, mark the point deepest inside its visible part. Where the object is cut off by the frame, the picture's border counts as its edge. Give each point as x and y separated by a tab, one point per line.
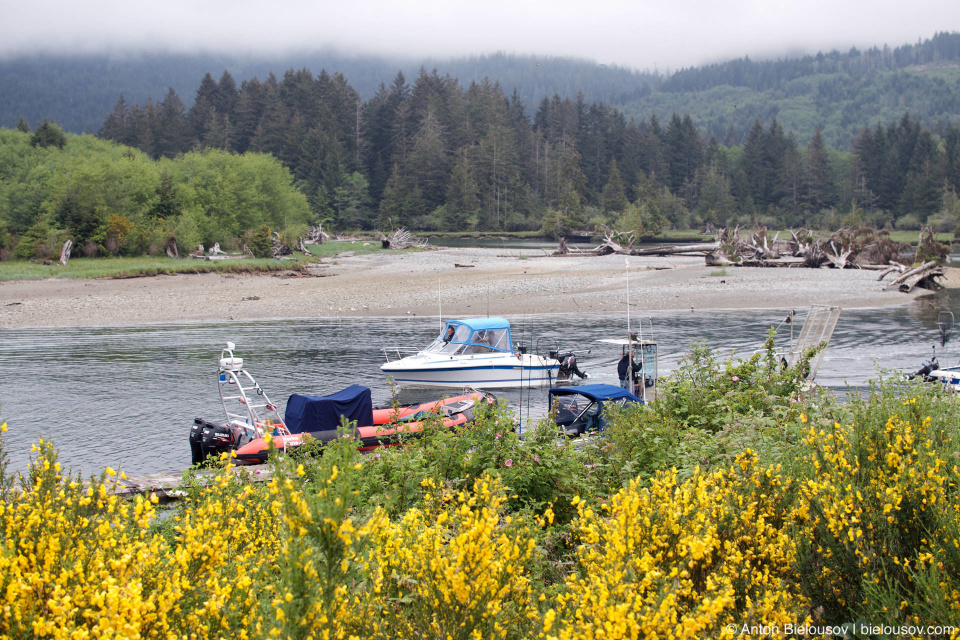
91	268
337	247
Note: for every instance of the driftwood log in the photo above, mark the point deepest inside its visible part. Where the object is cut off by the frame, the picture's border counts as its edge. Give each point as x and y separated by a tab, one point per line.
65	252
923	276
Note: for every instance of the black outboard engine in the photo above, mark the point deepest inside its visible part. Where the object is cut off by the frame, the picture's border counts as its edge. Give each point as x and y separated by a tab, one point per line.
568	365
924	371
208	439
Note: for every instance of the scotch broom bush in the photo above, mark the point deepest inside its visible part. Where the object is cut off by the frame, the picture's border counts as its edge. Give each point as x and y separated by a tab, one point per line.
770	509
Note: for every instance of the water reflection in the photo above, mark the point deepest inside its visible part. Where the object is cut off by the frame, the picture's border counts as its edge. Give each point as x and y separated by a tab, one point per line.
125	396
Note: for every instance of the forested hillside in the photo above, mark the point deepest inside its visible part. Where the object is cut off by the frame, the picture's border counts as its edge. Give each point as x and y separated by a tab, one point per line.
78	91
839	92
433	153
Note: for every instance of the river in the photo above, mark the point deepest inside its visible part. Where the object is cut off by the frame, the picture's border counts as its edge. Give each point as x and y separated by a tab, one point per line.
125	396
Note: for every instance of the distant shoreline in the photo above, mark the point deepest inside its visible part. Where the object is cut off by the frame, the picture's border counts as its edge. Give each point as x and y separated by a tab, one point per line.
497	281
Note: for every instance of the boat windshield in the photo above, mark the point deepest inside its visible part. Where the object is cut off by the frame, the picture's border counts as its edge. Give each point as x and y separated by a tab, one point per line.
460	339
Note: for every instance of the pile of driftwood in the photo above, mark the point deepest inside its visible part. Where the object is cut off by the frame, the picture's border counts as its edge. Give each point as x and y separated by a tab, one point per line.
401	239
315	235
860	248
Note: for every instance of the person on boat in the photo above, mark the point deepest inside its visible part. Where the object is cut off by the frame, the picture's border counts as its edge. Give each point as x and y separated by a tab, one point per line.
568	367
625	368
449	336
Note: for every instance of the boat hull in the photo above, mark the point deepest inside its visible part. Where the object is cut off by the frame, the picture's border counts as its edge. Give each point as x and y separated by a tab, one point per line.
950	377
407	427
501	372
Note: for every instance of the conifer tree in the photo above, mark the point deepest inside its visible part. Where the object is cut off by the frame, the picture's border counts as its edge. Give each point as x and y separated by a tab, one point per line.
819	180
614	195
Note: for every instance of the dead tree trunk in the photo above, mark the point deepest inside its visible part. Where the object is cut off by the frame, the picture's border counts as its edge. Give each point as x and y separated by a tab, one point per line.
705	248
907	275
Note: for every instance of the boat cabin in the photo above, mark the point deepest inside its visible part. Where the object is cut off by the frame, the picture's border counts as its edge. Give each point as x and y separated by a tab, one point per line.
475	335
644	353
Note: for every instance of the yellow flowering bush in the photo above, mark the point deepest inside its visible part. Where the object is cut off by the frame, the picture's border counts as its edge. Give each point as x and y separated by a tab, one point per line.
884	512
860	521
455	568
78	561
683	559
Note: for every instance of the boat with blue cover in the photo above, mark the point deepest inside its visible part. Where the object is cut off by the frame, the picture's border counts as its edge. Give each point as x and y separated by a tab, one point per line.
580	410
476	352
253	422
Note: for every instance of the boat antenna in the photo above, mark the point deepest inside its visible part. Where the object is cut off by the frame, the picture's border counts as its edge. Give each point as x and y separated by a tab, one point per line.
439	305
643	368
626	262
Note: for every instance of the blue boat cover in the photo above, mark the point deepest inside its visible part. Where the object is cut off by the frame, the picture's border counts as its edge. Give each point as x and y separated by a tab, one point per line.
321	413
599	392
483	323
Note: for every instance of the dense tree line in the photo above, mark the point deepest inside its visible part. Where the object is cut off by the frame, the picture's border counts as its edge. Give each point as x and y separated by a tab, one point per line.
111	199
79	90
435	155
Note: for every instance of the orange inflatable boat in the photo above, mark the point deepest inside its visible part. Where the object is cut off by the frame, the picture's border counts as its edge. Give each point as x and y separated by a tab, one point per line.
253	420
391	426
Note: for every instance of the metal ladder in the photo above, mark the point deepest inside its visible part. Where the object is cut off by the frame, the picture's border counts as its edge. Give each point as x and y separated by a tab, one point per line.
234	383
817	327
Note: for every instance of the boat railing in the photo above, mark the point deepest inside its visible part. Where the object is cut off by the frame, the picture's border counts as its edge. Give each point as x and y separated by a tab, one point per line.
398	353
236	384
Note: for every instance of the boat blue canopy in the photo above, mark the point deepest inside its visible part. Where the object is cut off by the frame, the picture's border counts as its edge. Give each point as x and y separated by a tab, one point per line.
478	335
576	416
599	392
478	324
322	413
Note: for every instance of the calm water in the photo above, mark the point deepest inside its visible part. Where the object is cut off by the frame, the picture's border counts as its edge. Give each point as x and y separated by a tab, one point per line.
126	396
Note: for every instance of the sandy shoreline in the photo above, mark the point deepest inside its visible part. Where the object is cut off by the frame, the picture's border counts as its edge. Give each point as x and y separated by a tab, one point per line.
498	282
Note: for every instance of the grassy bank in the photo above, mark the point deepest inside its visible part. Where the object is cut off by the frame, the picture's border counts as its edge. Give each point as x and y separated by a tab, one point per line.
88	268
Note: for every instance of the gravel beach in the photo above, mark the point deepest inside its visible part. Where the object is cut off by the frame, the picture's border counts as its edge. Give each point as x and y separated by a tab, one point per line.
466	281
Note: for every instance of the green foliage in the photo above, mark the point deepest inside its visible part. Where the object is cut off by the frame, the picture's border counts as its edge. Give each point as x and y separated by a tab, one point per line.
111	199
48	134
260	244
439	154
883	519
535	468
701	394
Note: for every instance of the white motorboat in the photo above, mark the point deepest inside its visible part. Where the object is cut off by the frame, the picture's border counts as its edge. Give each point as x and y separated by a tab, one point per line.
931	370
477	352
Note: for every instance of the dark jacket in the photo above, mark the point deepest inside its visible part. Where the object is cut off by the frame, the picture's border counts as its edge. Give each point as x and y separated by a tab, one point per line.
624	364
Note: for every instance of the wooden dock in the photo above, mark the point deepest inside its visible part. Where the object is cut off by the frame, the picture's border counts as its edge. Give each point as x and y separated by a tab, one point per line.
166	486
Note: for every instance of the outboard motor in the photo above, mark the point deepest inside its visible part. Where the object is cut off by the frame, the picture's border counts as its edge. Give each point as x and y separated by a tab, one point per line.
210	440
568	365
928	366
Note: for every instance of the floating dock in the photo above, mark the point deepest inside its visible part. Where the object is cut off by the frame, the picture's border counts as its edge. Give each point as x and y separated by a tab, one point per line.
166	486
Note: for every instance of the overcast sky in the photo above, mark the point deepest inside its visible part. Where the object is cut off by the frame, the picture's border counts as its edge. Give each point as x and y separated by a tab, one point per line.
645	34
